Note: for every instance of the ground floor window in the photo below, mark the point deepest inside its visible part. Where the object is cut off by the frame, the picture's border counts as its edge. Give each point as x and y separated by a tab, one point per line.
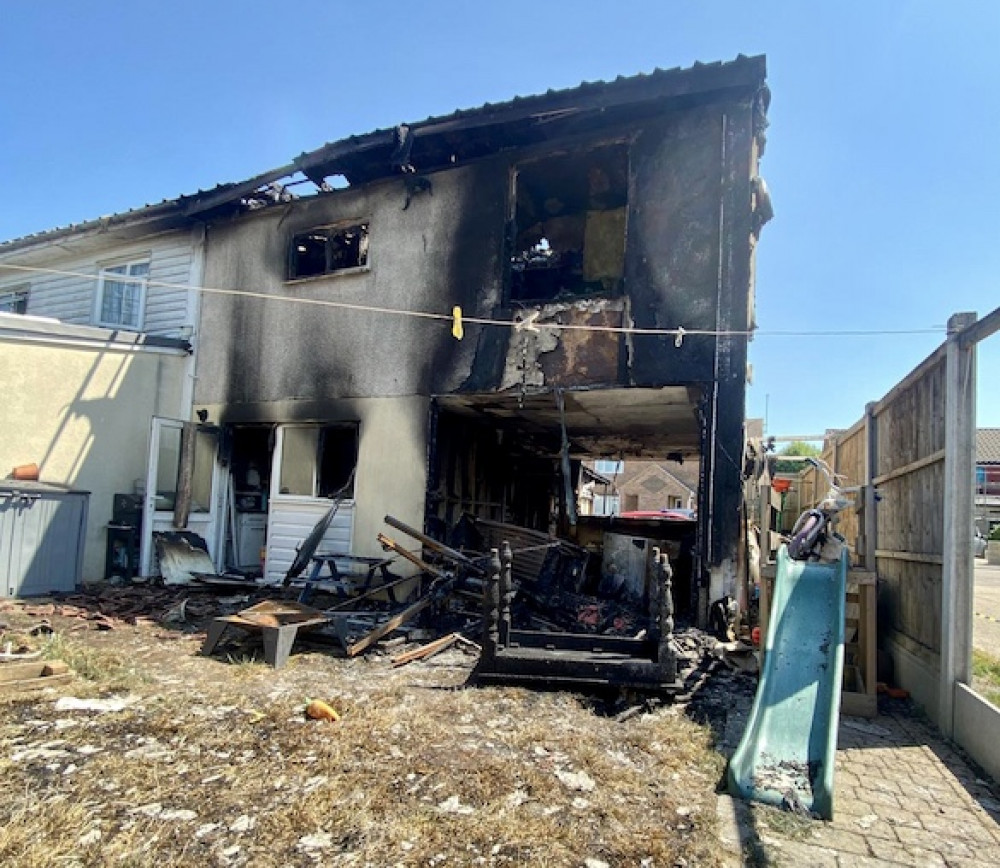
319	460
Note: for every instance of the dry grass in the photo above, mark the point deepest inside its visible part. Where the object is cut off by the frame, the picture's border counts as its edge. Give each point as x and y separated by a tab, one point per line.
111	671
986	675
214	764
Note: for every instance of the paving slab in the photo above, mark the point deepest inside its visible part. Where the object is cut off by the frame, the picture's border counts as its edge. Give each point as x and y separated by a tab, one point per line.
903	796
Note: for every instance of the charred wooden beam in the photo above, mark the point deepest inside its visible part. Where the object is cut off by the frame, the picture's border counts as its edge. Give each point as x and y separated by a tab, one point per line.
425	652
391	545
185	477
435	546
390	625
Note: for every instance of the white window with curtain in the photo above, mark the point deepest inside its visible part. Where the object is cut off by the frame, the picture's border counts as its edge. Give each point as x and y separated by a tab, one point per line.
121	295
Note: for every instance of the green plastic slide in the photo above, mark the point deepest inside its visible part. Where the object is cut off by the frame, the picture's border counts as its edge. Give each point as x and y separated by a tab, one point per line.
786	755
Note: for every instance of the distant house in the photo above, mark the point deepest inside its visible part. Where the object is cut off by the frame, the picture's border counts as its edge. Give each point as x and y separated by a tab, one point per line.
637	485
987	490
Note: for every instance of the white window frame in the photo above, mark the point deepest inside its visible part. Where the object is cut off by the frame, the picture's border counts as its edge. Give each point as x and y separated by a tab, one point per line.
609	467
108	272
11	295
607	504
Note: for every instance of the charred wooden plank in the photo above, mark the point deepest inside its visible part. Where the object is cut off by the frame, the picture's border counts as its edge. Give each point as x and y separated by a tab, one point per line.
435	546
424	652
390	625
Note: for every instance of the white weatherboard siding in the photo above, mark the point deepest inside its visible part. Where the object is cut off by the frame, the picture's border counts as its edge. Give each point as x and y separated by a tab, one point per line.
291	520
71	299
167	308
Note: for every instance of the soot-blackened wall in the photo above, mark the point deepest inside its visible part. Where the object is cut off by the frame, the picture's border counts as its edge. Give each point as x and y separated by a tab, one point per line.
447	248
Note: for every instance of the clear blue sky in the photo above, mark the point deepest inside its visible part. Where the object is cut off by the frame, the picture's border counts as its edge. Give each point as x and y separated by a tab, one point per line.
883	152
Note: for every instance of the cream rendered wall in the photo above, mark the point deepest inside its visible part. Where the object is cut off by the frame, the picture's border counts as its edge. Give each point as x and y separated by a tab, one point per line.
392	470
392	457
82	413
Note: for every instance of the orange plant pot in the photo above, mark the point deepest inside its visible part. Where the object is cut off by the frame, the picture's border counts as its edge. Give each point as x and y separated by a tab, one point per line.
25	471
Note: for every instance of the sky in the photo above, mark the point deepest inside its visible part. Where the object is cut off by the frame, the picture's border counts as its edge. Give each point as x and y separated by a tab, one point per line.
883	154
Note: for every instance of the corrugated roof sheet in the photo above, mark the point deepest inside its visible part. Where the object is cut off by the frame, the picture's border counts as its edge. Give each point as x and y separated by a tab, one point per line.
584	88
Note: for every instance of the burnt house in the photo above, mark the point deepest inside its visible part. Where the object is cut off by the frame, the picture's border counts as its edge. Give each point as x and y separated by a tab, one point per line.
444	318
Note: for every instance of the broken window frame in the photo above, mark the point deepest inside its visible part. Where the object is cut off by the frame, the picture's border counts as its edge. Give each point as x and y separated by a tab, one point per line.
14	299
329	233
309	461
580	287
131	278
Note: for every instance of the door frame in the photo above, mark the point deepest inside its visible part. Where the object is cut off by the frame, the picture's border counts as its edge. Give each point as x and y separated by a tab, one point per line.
211	527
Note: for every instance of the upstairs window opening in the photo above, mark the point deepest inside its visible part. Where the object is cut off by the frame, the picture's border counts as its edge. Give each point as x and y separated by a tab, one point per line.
569	225
327	250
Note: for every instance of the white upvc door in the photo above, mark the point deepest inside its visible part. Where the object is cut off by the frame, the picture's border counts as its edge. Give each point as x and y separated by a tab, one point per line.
207	490
293	509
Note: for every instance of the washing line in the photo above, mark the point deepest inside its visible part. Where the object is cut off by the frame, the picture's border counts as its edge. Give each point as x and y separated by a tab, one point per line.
528	322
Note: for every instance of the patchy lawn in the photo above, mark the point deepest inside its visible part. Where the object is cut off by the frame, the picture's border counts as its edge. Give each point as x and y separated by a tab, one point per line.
986	675
210	761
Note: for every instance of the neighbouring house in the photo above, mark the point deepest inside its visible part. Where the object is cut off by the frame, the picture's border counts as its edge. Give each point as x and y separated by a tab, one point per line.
987	487
96	330
642	486
98	341
444	318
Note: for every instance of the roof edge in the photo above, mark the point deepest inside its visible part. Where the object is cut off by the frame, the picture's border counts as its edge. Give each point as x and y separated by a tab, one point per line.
744	72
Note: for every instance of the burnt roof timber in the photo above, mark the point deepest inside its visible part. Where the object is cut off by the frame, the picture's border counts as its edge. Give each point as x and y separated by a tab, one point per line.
234	192
657	90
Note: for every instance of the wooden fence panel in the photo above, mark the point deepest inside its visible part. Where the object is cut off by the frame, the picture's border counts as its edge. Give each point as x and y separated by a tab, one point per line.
909	602
909	472
850	453
909	475
911	421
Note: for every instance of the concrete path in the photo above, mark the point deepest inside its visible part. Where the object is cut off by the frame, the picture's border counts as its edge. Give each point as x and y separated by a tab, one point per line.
903	796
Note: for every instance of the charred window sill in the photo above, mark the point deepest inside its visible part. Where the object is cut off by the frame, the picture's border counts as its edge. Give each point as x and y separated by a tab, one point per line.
332	275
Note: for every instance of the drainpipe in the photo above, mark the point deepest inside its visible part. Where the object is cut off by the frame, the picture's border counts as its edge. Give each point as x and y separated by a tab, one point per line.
193	316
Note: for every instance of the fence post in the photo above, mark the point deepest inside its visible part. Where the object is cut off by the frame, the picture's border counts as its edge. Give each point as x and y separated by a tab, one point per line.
871	471
956	569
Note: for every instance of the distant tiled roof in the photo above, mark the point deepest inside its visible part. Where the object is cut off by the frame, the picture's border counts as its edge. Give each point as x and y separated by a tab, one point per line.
988	446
